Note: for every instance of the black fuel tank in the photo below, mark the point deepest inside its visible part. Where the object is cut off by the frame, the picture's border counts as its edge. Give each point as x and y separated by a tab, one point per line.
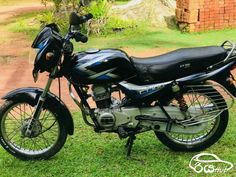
101	66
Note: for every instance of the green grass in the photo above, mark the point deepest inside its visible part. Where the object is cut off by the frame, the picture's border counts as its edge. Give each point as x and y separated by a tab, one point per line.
27	23
161	38
89	154
142	38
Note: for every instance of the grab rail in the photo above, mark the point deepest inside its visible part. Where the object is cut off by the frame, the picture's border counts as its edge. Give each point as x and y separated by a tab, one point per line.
231	48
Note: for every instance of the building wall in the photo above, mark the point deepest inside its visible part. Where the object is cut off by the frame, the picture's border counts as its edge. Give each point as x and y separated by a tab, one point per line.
204	15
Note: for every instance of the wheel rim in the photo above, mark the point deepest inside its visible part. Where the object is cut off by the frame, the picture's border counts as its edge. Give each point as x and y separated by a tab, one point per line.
15	120
192	100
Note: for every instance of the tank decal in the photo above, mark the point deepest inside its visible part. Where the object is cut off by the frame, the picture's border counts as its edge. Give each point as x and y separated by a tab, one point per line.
106	66
94	58
113	75
96	75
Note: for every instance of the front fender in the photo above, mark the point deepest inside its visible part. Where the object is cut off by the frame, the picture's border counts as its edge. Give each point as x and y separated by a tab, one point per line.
34	93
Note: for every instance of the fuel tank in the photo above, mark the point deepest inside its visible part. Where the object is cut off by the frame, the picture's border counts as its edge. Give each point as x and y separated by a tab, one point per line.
101	66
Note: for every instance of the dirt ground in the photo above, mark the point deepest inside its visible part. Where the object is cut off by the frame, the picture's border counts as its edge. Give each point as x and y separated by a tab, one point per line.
15	70
14	66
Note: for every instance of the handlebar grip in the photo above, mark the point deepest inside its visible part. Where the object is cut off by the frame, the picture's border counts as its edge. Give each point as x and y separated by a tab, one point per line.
89	16
84	39
85	18
80	38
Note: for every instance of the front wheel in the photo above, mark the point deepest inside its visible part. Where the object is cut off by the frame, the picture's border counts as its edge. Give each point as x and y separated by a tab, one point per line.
48	135
214	128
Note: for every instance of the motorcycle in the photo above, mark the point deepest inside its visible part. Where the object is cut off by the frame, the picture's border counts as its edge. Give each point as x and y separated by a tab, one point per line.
182	96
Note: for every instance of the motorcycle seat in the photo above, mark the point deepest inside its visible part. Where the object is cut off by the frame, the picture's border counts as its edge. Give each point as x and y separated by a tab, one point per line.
177	64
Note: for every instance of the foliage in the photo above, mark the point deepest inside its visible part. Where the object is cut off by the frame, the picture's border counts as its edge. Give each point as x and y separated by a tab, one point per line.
50	17
103	21
59	3
116	24
99	9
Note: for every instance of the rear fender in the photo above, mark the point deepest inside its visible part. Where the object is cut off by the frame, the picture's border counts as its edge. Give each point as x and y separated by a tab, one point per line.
33	94
226	81
221	75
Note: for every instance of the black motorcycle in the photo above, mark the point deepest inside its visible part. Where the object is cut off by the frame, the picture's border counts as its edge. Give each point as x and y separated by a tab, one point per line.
183	96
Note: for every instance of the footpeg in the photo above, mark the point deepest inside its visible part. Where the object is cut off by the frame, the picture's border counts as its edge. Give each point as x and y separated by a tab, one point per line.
122	133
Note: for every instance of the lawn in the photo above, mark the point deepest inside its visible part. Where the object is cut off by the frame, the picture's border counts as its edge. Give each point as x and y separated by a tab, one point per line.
89	154
141	39
151	38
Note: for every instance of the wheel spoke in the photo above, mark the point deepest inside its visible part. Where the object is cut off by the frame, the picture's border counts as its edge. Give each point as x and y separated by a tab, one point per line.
15	118
201	102
44	134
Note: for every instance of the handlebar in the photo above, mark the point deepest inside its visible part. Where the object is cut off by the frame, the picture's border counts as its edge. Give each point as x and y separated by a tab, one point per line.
75	22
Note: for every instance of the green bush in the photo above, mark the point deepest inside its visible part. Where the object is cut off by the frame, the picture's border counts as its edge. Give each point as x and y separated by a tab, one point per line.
59	3
116	24
99	9
52	17
101	24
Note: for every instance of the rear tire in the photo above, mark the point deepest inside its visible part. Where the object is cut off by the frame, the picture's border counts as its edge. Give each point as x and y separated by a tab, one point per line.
219	129
50	134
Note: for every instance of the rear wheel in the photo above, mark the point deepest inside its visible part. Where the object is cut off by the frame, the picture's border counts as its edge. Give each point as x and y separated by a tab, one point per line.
213	130
48	135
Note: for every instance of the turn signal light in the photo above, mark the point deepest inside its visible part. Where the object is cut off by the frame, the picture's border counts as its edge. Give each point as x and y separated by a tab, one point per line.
49	56
234	67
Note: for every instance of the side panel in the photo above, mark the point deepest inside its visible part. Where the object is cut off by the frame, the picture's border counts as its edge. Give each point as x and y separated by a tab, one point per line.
163	91
34	93
104	66
145	93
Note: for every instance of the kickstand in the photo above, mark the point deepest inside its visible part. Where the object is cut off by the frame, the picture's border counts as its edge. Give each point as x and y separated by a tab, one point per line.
129	144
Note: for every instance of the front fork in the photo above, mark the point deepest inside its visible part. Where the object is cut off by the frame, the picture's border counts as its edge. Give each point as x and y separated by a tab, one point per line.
40	103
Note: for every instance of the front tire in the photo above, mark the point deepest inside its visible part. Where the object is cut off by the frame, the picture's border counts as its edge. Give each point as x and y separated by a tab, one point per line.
205	140
48	137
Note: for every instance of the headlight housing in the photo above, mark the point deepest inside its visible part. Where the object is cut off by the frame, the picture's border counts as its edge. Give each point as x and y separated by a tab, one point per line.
47	41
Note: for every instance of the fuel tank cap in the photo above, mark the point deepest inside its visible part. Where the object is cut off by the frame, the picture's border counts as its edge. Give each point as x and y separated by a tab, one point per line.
90	51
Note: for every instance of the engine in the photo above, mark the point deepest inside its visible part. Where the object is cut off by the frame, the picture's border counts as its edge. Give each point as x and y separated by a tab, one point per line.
102	96
112	116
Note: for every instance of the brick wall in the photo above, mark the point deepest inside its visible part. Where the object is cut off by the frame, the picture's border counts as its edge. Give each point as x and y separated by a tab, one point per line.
203	15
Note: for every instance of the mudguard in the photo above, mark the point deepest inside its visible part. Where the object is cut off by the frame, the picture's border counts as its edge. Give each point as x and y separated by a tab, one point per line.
220	75
34	93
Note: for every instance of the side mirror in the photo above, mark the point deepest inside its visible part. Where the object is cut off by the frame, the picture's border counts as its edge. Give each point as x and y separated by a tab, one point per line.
85	2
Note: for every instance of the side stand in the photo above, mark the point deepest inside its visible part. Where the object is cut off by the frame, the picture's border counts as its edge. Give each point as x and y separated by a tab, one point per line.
130	143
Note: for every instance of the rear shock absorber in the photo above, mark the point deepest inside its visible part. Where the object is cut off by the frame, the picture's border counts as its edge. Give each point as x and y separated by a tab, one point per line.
180	99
